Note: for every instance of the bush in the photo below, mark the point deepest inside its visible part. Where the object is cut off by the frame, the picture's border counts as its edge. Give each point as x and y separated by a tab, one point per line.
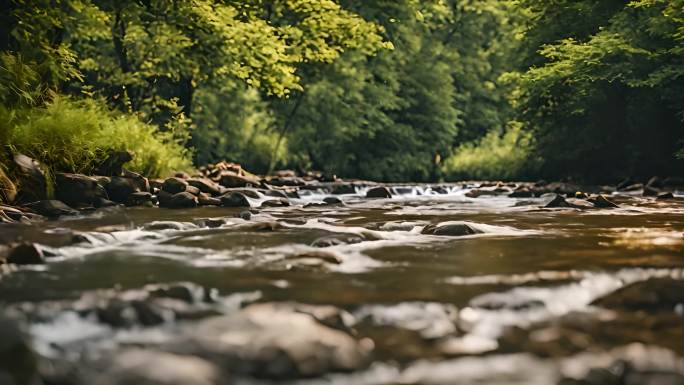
74	136
496	156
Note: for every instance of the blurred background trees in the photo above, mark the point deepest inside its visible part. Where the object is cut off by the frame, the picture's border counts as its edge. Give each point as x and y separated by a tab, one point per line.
387	90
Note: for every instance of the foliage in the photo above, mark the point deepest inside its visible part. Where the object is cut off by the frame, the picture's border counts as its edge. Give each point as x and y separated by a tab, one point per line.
496	156
605	96
74	136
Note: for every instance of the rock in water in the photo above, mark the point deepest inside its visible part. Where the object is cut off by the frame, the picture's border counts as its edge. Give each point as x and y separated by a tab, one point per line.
452	229
652	295
277	342
379	192
235	199
601	201
181	200
205	185
665	196
231	179
78	190
25	254
174	185
334	240
51	208
17	362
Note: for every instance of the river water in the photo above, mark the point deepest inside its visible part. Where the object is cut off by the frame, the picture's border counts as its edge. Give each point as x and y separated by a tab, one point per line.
536	296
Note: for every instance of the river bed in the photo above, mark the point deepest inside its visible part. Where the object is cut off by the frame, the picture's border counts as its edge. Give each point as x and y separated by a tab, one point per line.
356	293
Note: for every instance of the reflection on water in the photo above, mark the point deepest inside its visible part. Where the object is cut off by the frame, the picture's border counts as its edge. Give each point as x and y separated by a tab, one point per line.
520	299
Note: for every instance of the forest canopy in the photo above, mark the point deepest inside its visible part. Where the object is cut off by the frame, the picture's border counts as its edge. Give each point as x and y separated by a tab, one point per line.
391	90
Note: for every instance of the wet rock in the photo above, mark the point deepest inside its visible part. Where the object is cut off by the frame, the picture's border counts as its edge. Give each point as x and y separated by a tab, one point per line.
277	342
205	185
18	364
262	226
251	193
343	189
31	179
601	201
25	254
8	191
332	200
282	202
522	192
632	187
335	240
181	175
665	196
235	199
273	193
567	189
452	229
378	192
581	195
51	208
140	198
205	200
287	181
652	295
246	215
113	164
231	179
174	185
102	202
121	187
185	292
476	193
179	201
147	367
316	256
169	225
561	202
402	225
439	189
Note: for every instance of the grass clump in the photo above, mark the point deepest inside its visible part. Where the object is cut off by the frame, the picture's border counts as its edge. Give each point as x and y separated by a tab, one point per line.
498	155
70	135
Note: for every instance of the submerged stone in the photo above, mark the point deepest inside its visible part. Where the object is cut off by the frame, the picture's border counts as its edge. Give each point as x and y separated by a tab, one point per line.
452	229
379	192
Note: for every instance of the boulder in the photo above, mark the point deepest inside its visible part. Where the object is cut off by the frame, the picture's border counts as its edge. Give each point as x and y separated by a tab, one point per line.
653	295
231	179
275	341
235	199
25	254
561	202
287	181
665	196
282	202
31	180
113	164
140	198
181	200
78	190
206	200
476	193
343	189
119	188
141	183
602	202
51	208
205	185
451	229
174	185
18	364
522	192
332	201
335	240
379	192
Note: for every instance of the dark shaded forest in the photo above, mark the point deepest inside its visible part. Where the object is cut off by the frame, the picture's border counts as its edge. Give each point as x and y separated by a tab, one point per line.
386	90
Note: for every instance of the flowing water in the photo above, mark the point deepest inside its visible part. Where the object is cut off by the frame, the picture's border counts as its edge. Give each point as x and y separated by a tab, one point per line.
536	296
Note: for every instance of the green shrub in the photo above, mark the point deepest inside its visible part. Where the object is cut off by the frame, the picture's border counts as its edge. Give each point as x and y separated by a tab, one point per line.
496	156
74	136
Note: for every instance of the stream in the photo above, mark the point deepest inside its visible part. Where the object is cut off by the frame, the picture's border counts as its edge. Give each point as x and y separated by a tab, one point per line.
357	293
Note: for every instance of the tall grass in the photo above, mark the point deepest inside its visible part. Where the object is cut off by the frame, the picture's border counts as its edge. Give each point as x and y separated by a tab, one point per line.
497	155
70	135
